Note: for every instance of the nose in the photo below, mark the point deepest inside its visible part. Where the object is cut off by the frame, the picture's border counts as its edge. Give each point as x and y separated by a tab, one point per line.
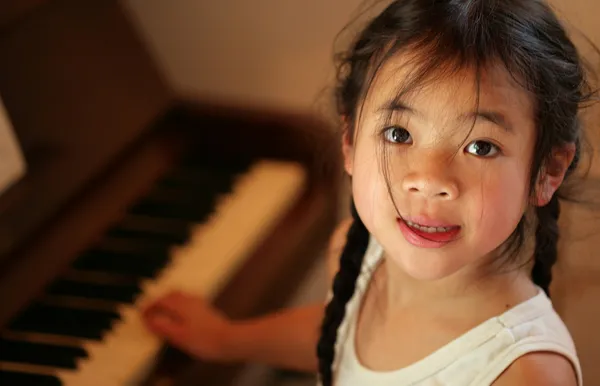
430	185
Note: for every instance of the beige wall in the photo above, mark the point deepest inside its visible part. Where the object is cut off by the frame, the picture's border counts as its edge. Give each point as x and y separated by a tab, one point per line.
279	52
275	52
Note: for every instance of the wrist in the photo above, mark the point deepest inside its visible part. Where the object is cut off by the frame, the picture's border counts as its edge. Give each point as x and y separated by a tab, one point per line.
234	338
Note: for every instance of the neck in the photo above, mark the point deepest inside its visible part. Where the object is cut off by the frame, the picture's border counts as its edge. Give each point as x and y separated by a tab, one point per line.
471	285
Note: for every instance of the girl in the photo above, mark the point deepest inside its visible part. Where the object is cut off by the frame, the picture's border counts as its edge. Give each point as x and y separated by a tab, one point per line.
460	123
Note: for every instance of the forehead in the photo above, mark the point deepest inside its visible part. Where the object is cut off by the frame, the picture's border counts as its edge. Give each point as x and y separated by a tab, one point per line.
449	92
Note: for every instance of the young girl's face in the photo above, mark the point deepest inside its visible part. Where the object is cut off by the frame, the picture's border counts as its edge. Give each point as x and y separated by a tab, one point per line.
470	187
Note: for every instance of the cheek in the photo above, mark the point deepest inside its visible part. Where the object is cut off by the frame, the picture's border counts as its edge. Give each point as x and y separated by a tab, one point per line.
369	188
500	202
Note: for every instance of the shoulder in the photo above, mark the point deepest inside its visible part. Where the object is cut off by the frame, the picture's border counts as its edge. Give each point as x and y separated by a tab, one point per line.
537	369
337	242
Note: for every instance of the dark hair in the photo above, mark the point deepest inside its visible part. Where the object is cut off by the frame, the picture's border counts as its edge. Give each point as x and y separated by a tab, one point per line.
525	37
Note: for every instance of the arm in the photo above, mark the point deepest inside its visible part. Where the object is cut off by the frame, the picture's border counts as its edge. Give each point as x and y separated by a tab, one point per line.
539	369
287	339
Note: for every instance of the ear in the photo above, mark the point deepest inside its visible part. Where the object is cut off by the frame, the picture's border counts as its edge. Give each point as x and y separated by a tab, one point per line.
553	173
347	148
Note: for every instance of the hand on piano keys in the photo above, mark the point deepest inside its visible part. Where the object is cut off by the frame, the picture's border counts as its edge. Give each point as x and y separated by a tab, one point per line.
190	233
191	324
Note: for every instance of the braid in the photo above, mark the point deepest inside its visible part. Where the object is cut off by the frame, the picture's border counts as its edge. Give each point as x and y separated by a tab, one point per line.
546	239
344	285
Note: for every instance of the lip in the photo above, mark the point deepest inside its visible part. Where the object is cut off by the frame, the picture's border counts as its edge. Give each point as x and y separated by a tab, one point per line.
424	240
428	222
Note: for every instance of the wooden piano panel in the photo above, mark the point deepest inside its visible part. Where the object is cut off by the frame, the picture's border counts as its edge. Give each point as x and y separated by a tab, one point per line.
78	86
12	11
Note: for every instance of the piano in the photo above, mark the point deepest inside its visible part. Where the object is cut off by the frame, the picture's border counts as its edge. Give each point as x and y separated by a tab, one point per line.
133	190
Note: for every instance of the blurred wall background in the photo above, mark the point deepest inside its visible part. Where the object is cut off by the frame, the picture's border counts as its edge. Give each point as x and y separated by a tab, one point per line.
262	52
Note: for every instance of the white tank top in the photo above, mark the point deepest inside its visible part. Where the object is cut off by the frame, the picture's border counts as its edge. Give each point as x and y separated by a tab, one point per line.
476	358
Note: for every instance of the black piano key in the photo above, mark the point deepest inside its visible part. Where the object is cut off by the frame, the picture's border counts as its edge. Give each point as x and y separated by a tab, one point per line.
186	194
183	197
149	247
189	179
120	263
232	165
14	378
48	319
40	354
180	203
179	196
122	293
217	182
144	227
221	183
198	213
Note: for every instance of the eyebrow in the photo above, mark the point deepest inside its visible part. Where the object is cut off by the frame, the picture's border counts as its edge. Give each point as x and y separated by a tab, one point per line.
494	117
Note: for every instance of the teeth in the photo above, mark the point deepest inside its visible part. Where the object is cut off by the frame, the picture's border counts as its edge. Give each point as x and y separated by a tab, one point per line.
427	229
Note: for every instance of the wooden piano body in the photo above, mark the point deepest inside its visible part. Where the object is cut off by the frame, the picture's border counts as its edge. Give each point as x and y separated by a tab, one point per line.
99	127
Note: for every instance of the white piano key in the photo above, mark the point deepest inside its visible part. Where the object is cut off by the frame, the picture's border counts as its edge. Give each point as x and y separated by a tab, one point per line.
216	250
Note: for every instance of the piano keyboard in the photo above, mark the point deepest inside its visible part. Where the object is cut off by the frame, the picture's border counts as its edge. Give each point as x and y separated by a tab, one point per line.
191	232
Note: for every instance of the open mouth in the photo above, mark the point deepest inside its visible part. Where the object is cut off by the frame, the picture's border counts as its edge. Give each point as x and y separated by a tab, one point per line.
428	236
428	229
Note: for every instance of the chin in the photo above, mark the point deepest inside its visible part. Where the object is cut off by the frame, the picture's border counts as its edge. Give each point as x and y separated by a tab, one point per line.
427	266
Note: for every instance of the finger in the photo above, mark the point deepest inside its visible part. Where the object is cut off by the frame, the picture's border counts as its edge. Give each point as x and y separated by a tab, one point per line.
164	326
173	303
157	312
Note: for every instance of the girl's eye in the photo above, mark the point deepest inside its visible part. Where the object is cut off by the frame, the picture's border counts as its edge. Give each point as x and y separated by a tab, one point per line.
482	149
397	135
